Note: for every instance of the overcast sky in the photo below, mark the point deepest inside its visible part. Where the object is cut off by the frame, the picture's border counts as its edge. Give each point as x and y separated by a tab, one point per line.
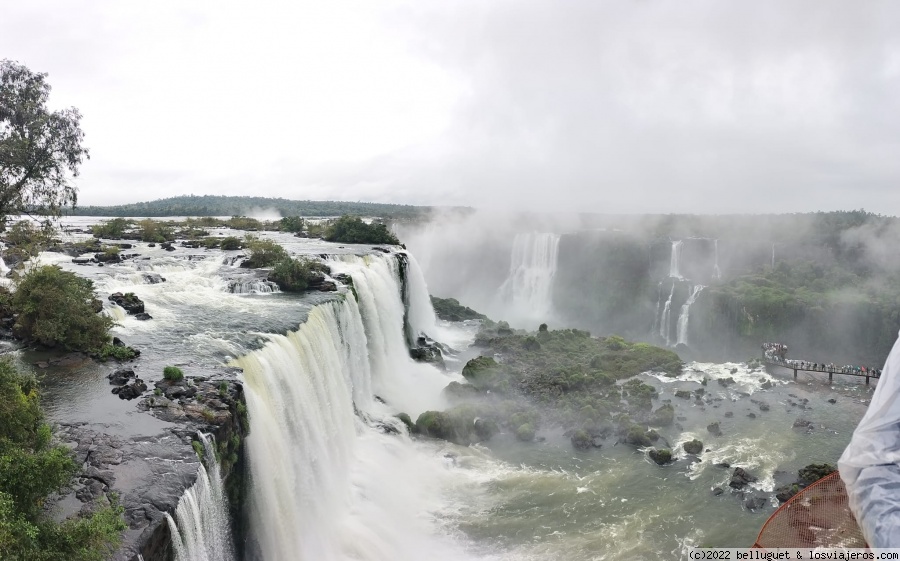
589	105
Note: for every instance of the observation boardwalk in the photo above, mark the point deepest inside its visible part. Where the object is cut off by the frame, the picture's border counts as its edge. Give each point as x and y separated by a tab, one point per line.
774	355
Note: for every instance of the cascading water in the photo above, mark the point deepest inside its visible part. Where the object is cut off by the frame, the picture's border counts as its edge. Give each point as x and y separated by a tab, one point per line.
327	483
529	284
674	259
717	274
201	529
664	327
655	327
258	286
684	316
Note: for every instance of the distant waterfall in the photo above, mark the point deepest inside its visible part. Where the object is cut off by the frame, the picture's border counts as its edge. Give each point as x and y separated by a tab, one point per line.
664	327
529	284
675	258
201	529
773	255
655	327
684	316
717	274
327	483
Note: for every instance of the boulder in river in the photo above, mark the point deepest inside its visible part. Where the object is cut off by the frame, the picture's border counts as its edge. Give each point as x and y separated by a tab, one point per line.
740	478
693	446
755	503
121	376
129	301
714	429
132	390
661	457
581	440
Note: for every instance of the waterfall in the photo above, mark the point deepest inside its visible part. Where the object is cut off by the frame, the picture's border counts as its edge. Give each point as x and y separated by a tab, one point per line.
655	327
674	259
684	316
773	255
257	286
201	529
664	327
327	483
422	320
529	284
717	274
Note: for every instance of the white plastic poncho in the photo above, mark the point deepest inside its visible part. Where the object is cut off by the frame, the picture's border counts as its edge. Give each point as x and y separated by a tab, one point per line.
870	466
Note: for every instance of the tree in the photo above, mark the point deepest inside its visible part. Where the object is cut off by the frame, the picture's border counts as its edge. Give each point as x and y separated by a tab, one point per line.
56	309
40	150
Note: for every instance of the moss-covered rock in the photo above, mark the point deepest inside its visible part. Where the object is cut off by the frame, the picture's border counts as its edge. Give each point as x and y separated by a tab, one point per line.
525	432
815	472
410	426
581	439
485	374
693	446
663	417
450	309
661	457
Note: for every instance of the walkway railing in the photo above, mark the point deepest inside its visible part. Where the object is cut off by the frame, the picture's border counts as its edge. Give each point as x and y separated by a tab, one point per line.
774	355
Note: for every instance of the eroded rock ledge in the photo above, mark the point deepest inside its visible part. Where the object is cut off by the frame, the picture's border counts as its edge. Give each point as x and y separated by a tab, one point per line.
149	474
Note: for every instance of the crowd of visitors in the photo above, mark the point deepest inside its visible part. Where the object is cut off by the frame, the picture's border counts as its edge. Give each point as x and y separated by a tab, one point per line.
776	352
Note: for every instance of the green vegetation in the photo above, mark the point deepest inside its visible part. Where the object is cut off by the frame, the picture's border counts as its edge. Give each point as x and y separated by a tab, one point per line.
450	309
351	229
229	243
565	377
40	150
263	253
295	275
215	205
155	232
57	309
31	468
112	229
115	352
291	224
173	374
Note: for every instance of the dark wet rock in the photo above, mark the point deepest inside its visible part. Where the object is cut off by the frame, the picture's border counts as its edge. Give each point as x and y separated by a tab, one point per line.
740	479
751	415
693	446
815	472
153	278
718	491
725	382
597	442
683	394
129	301
832	401
118	342
132	390
106	257
699	392
767	385
755	503
167	246
803	424
151	245
734	370
382	249
407	420
660	457
729	414
725	465
121	376
427	351
143	316
83	260
714	429
320	283
764	407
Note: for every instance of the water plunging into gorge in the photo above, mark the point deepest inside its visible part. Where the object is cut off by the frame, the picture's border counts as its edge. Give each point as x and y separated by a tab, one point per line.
529	284
329	480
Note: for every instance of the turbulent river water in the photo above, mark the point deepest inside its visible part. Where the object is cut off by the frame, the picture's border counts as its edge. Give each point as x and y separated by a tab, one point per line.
326	374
